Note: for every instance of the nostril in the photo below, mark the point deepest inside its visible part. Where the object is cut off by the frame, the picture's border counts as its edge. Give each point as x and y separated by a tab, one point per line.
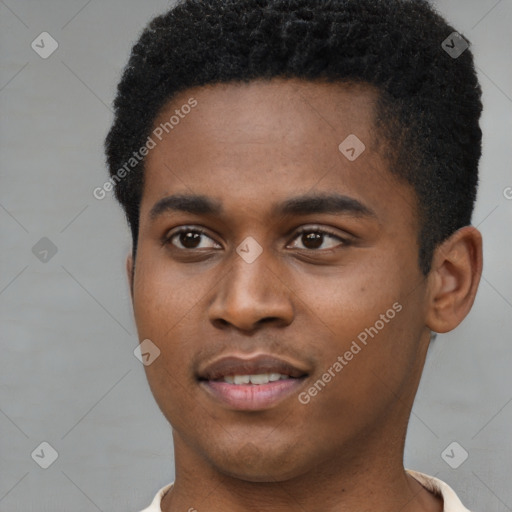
268	319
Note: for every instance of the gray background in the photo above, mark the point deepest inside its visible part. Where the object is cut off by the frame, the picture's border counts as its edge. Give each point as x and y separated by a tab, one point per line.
68	375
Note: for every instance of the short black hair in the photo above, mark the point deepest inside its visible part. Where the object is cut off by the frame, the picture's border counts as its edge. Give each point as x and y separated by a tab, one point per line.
429	101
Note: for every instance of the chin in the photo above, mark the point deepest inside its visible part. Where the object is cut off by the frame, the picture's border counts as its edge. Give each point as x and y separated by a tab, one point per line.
257	464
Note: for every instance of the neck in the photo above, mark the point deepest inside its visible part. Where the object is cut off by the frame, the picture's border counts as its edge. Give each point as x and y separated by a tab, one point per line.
346	482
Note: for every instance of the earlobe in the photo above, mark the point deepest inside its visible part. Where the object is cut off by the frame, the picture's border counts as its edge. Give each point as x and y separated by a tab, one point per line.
454	279
129	273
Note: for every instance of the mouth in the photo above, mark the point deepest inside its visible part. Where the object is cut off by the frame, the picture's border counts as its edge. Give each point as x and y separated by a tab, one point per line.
251	384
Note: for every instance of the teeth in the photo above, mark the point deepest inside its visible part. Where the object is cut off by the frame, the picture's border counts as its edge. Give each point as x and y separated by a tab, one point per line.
241	379
259	379
262	378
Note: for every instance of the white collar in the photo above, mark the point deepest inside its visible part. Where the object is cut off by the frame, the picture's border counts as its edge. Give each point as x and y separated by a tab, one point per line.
431	483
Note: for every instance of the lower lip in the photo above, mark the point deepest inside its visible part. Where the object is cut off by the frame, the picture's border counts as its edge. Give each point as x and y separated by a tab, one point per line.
252	397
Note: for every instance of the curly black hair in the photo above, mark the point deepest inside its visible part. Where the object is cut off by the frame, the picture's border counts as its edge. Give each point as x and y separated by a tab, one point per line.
429	100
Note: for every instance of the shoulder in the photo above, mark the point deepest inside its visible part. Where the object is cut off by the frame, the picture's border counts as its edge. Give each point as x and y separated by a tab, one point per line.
451	501
155	504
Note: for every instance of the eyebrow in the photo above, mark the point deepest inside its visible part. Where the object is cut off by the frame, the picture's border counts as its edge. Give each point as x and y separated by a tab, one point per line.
301	205
323	203
196	204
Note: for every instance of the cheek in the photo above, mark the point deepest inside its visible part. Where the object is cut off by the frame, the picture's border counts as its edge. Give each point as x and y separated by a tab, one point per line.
163	297
164	302
368	368
348	299
369	318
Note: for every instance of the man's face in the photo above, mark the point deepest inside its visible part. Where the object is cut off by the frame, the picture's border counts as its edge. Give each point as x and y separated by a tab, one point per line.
305	299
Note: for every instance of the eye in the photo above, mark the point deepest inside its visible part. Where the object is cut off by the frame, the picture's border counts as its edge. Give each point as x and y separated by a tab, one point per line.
313	238
190	238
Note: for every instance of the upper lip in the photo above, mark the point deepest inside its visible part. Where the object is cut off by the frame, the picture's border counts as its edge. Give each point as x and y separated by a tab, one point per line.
236	365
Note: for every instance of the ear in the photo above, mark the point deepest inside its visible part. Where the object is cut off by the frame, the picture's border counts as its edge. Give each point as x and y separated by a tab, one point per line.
454	279
129	272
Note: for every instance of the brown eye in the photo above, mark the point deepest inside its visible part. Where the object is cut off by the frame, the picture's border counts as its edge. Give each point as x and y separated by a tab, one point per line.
315	238
188	238
312	240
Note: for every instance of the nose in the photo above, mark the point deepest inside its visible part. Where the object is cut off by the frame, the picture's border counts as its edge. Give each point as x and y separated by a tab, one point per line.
251	295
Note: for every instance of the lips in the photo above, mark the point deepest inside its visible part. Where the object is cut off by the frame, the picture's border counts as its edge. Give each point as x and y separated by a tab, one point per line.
262	364
251	384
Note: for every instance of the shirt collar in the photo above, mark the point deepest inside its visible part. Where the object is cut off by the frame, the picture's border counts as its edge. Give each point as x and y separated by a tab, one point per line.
431	483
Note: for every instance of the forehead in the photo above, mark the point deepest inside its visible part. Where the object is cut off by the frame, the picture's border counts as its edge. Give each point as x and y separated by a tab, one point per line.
265	140
300	111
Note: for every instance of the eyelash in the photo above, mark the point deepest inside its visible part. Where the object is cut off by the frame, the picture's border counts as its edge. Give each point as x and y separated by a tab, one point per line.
189	229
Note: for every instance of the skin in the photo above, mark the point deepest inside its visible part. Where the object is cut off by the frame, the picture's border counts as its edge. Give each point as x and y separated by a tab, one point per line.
251	147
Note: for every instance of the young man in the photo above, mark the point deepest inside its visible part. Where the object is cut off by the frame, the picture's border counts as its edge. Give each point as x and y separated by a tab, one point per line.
299	178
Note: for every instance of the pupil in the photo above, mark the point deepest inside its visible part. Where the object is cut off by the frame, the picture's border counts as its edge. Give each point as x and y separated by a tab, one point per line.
312	240
190	239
